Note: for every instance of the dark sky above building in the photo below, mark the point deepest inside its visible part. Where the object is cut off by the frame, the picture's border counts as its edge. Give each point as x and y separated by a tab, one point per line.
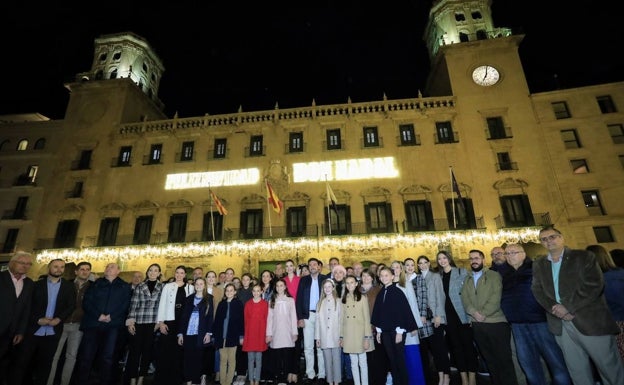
222	55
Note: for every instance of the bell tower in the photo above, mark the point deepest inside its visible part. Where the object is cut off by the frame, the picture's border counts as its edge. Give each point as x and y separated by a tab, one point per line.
126	55
466	50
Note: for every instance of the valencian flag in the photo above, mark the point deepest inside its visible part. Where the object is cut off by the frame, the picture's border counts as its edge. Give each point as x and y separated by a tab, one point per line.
331	198
273	199
217	202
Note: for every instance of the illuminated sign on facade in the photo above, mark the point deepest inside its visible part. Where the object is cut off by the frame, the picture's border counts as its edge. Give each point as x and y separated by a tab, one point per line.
351	169
248	176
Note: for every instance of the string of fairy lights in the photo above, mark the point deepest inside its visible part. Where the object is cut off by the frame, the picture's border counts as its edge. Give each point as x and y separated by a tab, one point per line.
288	247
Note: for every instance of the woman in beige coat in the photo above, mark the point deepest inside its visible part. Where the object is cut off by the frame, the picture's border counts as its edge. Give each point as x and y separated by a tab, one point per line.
357	336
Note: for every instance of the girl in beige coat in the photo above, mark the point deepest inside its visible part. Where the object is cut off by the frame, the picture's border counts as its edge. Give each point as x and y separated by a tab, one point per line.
328	331
357	336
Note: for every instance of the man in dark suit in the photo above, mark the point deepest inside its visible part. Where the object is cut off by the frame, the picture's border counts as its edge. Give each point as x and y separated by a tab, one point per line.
15	294
53	300
570	286
308	294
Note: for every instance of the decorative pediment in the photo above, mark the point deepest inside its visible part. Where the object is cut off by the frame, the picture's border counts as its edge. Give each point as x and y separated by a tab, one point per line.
71	212
180	203
510	183
253	199
146	205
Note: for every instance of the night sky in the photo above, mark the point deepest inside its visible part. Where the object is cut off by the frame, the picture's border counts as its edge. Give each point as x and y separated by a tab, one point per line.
222	55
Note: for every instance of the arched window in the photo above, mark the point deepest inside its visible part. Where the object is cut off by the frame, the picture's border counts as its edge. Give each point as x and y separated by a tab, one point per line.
113	74
22	145
40	144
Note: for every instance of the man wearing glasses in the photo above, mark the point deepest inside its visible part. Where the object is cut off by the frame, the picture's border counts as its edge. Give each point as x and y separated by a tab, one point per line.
569	285
528	321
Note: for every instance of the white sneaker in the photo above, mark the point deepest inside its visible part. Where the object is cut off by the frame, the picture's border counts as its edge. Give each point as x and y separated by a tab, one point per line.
203	379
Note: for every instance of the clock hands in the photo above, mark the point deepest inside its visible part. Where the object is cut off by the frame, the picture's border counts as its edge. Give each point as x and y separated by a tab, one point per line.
486	70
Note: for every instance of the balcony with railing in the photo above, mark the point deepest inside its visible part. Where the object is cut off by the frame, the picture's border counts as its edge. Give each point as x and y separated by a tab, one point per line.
507	166
400	142
438	139
538	219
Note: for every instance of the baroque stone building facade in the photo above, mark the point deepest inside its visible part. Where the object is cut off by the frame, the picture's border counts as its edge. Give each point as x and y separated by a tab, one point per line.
117	180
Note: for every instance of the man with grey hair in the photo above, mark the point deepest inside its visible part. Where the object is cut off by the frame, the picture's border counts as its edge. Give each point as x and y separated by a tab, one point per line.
16	292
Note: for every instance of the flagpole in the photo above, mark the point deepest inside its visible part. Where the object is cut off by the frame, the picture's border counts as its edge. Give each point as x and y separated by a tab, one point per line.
266	185
327	201
452	197
211	214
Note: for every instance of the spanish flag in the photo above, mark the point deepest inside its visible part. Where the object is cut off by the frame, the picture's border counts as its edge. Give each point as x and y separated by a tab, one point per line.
222	210
273	199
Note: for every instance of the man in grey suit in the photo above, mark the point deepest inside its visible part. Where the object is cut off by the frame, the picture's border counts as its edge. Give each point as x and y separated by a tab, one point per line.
569	285
15	294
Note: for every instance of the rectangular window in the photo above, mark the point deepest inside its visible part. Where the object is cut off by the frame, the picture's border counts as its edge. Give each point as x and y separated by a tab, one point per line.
155	155
603	234
251	224
255	145
606	104
108	232
296	221
187	151
561	110
142	230
591	198
84	163
378	217
32	173
371	138
617	133
462	217
76	191
212	220
444	133
20	208
621	157
504	162
570	139
496	128
295	142
517	211
177	228
407	135
66	234
579	166
220	146
124	156
333	139
419	215
340	221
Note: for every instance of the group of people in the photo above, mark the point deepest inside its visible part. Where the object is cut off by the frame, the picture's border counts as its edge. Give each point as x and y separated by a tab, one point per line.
560	318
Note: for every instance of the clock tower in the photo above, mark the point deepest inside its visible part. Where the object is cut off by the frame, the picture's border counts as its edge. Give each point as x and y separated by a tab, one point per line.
469	55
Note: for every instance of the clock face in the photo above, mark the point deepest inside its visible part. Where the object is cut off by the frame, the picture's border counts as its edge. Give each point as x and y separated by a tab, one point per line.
485	75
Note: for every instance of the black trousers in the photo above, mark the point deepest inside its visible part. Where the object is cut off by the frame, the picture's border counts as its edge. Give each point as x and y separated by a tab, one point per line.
36	350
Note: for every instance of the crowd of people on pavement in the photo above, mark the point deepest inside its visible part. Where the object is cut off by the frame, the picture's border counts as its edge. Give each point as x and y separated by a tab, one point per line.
557	318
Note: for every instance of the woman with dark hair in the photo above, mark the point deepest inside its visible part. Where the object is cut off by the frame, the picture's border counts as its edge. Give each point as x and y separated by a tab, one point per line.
431	300
613	289
228	332
211	355
195	332
281	333
169	358
141	324
267	279
458	330
357	336
376	358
